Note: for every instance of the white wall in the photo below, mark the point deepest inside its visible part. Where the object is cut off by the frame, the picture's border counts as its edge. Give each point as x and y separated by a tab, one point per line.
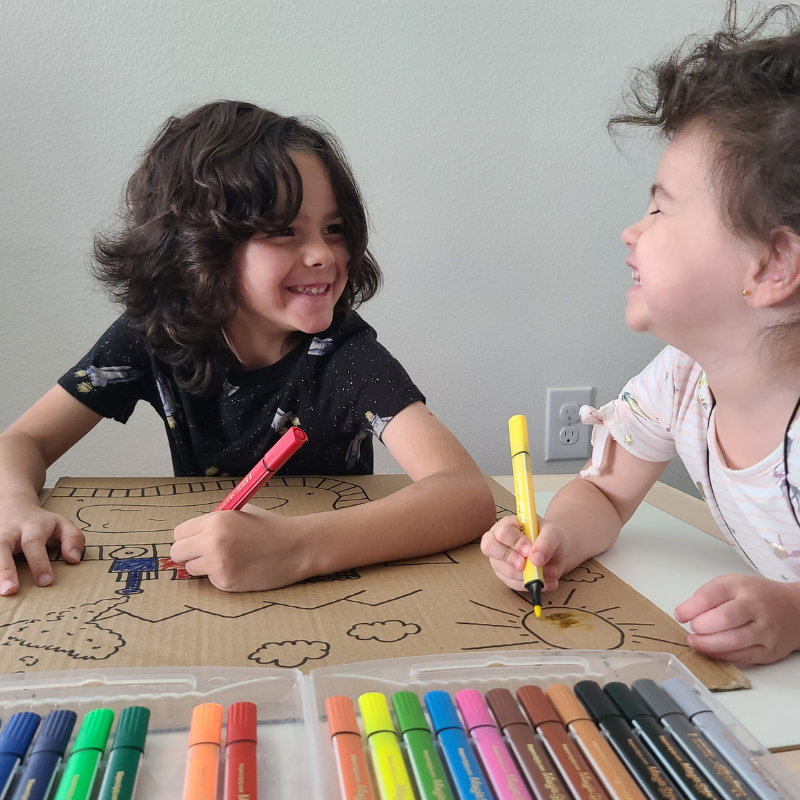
475	128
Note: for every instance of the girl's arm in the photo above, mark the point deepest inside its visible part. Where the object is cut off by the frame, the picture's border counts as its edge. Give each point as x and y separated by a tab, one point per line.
449	504
27	448
582	520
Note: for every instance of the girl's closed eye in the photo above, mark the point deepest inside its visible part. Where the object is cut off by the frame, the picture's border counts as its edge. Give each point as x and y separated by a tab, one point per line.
288	231
655	211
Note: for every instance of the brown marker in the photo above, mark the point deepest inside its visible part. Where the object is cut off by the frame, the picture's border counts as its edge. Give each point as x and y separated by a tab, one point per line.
575	772
614	777
535	764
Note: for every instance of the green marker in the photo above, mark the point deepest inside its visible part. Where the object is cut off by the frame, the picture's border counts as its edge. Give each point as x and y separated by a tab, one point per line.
126	754
425	762
81	769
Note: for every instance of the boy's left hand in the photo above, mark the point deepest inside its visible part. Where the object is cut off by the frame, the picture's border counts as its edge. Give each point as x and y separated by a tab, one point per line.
241	551
743	618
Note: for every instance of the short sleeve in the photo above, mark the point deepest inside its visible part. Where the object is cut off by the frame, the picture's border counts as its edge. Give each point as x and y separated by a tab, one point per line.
111	377
641	419
377	384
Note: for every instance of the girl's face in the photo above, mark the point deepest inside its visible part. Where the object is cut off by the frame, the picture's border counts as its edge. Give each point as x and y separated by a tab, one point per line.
290	280
688	268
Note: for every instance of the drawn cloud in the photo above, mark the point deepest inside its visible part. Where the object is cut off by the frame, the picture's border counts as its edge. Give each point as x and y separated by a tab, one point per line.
71	631
290	654
582	575
392	630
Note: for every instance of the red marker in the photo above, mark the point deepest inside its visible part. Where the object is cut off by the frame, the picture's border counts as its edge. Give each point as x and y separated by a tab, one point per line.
275	458
241	777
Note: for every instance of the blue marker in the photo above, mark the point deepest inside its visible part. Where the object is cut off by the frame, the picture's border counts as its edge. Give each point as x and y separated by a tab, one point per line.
46	754
467	775
15	740
734	751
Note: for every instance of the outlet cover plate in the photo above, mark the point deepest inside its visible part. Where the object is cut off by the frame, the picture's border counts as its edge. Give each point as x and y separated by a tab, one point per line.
554	447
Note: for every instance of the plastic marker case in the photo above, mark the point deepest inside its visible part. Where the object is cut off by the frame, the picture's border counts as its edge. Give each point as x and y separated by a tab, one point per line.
295	754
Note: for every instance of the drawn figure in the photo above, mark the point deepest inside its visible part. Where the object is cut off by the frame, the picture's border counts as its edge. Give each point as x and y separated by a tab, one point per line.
179	572
563	627
319	347
289	654
392	630
354	449
73	631
100	377
133	565
167	401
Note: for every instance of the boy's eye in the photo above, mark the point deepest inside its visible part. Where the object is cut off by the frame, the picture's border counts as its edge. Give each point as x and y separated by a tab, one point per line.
337	228
282	232
655	211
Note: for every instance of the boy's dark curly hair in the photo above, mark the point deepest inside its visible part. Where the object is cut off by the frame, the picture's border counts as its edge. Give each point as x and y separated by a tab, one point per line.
208	182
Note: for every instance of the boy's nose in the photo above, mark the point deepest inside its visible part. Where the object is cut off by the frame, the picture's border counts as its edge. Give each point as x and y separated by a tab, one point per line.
630	235
319	254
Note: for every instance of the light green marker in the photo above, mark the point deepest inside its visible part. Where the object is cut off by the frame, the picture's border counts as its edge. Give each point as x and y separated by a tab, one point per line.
81	769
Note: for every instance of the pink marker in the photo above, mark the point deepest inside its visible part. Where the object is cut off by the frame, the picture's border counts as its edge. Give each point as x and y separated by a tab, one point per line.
504	776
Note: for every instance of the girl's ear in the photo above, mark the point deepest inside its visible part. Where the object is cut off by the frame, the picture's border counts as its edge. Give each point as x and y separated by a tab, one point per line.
778	278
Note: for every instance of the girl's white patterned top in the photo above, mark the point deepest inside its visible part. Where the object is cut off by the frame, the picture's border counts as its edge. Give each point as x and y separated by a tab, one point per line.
667	410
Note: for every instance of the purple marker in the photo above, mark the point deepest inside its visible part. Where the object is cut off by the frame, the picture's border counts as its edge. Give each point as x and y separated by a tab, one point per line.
494	755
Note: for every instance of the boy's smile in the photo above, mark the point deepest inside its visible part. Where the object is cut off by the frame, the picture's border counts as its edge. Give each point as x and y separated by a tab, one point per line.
290	280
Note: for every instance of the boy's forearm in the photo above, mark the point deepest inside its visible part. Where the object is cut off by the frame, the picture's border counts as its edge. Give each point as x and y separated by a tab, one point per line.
442	511
587	520
22	467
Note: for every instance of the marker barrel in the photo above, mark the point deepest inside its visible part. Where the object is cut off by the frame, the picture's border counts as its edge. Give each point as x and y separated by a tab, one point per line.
241	753
81	770
351	764
205	737
119	781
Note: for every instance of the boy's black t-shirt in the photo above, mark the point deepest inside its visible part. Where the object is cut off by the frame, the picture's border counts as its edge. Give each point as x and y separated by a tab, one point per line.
341	387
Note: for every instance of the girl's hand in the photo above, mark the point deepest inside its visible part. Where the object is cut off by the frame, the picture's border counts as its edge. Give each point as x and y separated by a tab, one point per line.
30	529
242	551
743	618
508	548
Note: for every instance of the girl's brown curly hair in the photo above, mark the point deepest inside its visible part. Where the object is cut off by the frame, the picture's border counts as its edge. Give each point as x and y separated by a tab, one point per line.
208	182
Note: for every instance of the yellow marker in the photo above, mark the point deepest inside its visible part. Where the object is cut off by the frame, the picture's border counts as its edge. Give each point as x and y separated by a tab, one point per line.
387	760
526	505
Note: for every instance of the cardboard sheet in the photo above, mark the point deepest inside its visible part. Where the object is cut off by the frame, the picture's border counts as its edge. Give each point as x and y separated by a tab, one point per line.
129	605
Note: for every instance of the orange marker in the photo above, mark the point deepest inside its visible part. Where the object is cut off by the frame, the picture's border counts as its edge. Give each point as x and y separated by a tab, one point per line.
205	738
602	759
354	783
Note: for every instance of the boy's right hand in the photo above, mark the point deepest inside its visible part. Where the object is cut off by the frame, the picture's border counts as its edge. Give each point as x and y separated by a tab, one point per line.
29	529
508	548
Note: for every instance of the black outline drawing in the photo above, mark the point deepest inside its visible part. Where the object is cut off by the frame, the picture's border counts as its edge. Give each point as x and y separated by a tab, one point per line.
368	625
277	660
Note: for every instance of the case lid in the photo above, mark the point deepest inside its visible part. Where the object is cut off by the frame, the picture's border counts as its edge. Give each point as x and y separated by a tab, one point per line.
242	721
206	725
132	728
18	733
442	712
537	707
473	709
655	697
567	706
598	703
341	715
375	713
409	713
504	708
686	699
94	730
629	702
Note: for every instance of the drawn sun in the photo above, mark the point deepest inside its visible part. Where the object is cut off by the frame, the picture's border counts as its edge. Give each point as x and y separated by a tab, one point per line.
566	627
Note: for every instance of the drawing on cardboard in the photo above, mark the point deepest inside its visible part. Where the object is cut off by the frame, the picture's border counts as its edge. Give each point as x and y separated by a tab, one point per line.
128	604
562	626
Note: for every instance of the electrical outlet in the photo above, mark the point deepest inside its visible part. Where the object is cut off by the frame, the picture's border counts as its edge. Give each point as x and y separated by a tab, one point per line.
565	436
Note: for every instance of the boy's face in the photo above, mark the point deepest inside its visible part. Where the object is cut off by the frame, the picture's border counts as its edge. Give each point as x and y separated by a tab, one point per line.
290	280
688	268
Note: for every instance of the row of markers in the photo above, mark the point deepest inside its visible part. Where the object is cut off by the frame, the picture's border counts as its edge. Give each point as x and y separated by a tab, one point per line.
588	743
34	777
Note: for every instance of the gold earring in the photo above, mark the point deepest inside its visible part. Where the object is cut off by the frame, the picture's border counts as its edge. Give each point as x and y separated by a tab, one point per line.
746	293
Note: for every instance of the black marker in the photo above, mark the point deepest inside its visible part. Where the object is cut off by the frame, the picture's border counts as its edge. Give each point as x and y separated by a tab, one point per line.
633	754
683	772
705	757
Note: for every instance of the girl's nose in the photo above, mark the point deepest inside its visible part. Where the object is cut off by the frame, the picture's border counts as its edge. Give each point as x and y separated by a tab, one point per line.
630	235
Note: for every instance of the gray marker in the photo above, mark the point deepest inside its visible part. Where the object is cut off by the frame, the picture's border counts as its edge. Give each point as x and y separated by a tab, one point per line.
734	751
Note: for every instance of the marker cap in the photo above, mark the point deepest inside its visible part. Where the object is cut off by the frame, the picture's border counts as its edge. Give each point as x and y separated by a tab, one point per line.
655	697
409	713
688	701
442	712
375	713
56	730
518	435
504	708
341	715
18	733
629	702
132	728
287	442
537	707
567	706
94	730
473	709
597	702
206	725
242	721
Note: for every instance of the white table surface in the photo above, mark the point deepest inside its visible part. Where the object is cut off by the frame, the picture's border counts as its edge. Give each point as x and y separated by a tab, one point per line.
667	560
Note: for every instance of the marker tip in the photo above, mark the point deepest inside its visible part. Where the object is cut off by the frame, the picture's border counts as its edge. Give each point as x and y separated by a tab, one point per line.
538	611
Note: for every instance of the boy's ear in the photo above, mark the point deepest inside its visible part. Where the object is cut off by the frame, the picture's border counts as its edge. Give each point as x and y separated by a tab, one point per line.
778	278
